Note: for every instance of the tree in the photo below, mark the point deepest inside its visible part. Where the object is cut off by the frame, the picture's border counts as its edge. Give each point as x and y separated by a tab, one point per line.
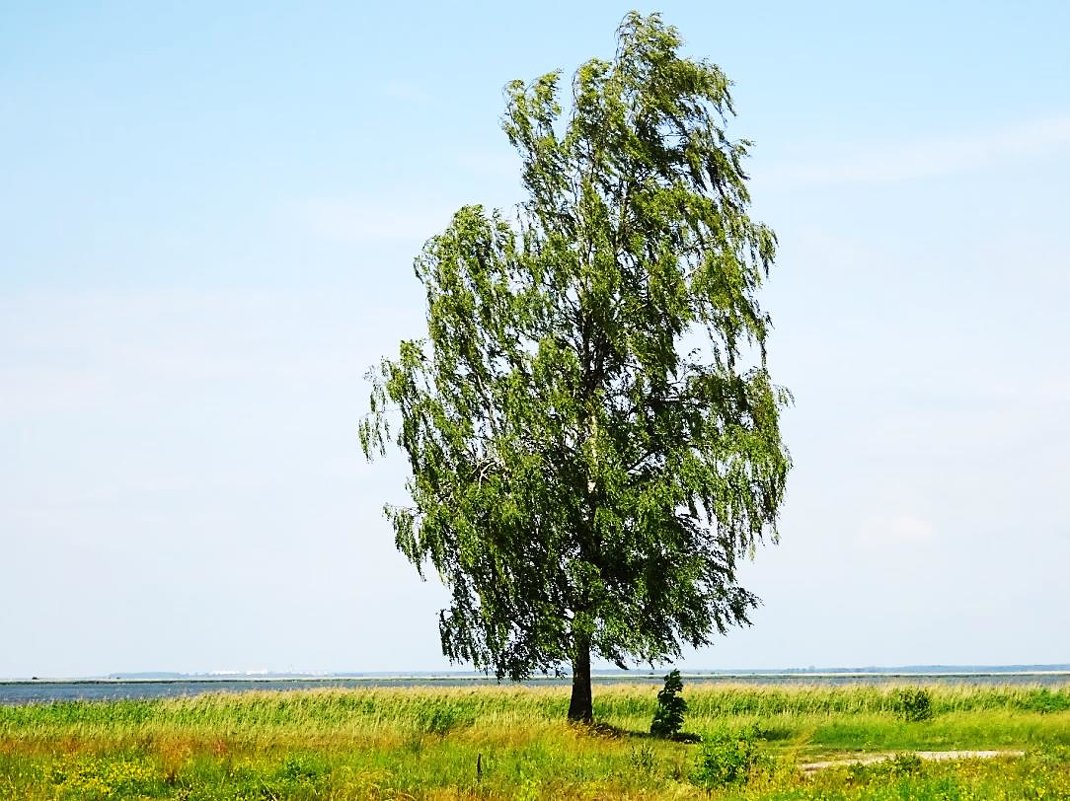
590	425
669	713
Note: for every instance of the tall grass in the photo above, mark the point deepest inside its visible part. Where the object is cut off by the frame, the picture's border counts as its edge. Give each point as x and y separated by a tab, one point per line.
509	742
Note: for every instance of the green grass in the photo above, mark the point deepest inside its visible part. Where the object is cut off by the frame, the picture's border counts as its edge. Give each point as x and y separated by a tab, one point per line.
421	743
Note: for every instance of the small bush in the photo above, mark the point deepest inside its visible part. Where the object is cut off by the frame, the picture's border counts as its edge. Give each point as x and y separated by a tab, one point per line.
669	715
905	765
900	766
301	768
1041	699
728	757
914	704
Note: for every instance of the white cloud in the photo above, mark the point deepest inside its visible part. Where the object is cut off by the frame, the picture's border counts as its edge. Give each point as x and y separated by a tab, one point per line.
930	158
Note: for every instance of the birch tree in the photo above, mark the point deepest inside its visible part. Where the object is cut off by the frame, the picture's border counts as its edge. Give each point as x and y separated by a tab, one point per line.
590	425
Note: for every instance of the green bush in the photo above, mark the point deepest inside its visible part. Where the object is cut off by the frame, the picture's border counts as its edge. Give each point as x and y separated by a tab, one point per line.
1041	699
302	768
669	715
728	757
900	766
905	765
914	704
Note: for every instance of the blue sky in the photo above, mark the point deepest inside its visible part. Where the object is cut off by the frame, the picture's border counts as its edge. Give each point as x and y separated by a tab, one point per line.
208	219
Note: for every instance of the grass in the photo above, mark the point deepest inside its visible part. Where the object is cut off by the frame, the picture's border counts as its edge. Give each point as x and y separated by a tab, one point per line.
513	743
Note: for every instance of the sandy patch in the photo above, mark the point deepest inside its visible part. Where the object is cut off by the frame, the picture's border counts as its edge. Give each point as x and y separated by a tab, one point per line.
935	756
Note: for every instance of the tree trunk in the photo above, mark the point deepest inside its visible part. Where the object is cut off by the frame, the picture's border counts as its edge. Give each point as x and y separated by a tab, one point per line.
579	708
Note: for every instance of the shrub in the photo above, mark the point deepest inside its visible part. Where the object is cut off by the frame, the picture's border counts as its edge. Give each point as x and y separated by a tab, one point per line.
914	704
900	766
301	768
1041	699
905	765
728	757
669	715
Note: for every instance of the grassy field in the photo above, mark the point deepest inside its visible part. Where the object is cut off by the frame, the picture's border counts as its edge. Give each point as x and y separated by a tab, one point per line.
513	743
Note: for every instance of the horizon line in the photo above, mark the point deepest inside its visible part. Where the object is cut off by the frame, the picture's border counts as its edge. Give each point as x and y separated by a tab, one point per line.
476	675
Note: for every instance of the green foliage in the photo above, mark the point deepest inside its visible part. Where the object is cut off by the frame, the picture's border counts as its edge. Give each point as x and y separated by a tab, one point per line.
441	719
886	771
905	764
914	704
644	759
592	434
669	714
1043	699
728	757
302	767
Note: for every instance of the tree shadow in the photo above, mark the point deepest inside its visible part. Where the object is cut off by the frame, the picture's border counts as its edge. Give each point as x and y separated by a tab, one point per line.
611	732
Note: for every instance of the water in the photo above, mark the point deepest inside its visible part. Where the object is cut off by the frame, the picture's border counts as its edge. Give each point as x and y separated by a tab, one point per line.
37	691
30	692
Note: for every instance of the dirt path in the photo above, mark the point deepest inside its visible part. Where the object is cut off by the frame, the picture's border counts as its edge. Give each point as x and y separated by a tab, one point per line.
936	756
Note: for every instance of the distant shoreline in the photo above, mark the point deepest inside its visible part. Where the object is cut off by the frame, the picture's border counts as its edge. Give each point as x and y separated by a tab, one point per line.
615	676
150	687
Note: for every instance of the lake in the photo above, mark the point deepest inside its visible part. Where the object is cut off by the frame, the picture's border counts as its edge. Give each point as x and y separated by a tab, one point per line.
45	691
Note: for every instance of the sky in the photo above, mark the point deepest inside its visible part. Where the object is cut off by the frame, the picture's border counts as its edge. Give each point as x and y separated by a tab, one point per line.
208	214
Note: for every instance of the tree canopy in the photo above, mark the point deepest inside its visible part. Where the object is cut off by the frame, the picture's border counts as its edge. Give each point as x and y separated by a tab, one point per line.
592	431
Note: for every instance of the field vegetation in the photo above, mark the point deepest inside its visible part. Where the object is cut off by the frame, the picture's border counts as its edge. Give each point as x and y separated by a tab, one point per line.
513	743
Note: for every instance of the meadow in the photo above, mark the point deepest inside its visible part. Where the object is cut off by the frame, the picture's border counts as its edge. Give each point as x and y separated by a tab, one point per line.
514	743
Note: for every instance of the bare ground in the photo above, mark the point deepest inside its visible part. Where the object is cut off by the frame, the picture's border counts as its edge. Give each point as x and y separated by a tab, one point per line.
936	756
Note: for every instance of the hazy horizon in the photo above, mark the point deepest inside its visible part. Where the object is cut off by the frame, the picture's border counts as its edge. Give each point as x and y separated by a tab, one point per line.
639	671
